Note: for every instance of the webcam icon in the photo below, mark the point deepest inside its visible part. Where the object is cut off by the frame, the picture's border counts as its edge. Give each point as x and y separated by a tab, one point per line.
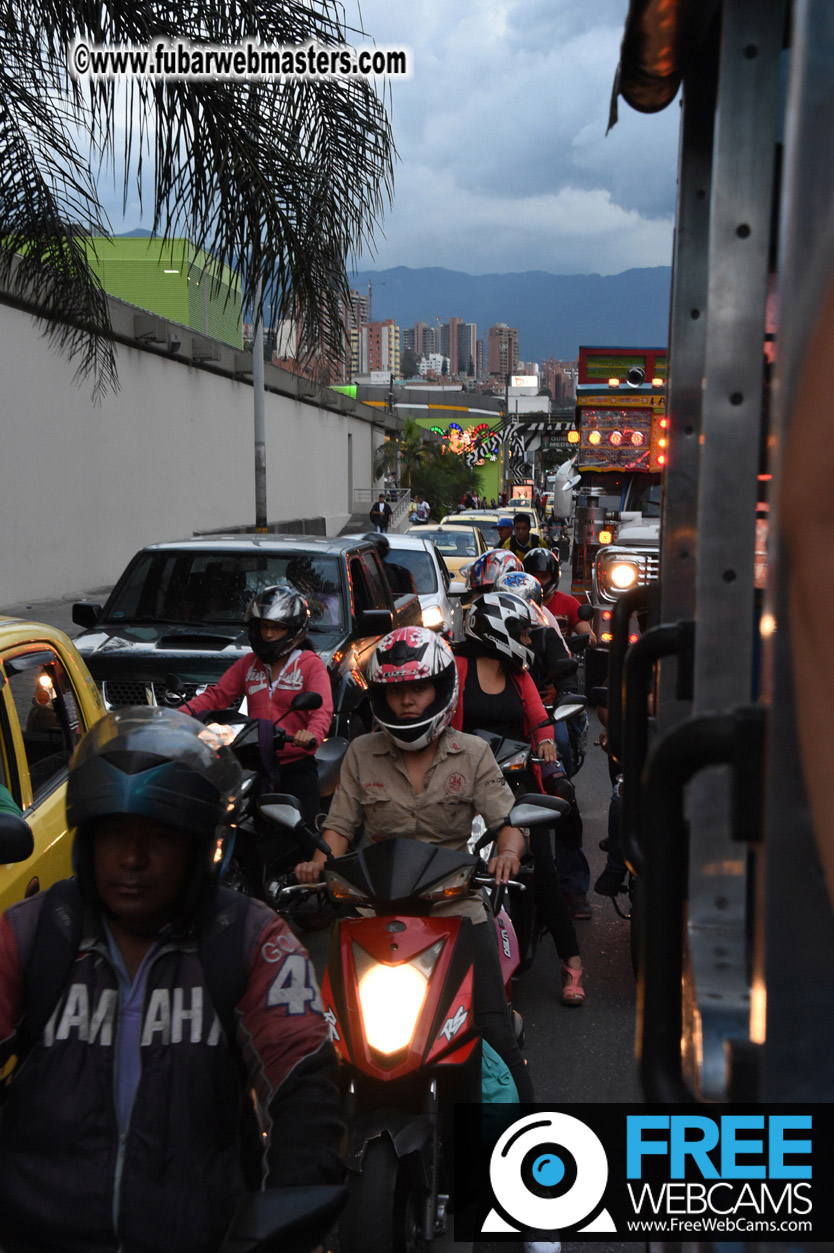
548	1171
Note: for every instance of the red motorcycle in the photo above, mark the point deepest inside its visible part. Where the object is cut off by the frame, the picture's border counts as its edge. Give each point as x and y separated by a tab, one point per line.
398	999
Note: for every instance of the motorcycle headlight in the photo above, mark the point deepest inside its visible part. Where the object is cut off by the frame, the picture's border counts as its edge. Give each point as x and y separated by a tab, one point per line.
391	997
433	617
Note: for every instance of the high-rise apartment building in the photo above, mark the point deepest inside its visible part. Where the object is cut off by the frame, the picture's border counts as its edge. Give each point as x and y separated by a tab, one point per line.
503	350
378	346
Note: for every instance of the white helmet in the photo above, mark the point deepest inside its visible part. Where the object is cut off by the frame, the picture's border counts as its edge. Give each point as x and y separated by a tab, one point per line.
413	655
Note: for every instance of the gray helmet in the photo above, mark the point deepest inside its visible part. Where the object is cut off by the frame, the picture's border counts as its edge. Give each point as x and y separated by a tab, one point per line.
151	762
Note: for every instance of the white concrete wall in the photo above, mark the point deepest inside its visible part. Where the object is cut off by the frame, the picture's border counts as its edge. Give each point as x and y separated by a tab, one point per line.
83	486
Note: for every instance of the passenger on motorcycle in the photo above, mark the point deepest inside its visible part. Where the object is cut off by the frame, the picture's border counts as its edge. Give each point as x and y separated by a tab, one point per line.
481	575
148	1008
417	777
550	654
498	695
282	664
542	563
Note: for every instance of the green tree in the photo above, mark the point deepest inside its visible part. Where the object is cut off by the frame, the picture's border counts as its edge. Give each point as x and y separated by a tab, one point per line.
283	180
442	479
405	453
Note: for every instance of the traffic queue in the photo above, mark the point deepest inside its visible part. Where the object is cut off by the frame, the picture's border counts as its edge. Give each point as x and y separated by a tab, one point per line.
267	742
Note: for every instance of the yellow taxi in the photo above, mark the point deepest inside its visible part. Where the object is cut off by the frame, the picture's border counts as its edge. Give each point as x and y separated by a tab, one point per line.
486	519
48	699
458	542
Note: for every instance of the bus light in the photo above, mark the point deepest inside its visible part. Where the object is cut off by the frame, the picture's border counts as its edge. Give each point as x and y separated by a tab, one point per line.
605	537
664	423
573	437
661	460
615	438
632	639
661	443
657	382
607	615
613	382
594	438
636	438
606	637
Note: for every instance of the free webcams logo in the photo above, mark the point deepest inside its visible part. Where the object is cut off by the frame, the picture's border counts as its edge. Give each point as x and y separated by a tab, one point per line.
549	1171
640	1171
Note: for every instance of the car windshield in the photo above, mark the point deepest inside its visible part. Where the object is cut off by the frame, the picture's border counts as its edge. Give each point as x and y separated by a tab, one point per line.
419	565
454	543
215	588
489	531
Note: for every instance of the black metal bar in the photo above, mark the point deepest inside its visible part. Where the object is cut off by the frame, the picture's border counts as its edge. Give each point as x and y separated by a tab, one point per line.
630	603
660	641
689	748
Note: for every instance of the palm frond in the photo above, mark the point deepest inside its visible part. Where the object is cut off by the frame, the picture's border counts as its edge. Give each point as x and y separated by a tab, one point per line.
284	181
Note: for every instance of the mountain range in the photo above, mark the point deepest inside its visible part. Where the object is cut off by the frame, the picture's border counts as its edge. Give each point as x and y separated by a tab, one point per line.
554	313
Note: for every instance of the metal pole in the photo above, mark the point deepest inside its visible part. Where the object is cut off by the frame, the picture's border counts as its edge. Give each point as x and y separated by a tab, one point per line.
260	435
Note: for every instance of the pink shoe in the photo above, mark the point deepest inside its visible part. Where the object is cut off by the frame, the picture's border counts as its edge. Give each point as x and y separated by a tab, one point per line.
573	993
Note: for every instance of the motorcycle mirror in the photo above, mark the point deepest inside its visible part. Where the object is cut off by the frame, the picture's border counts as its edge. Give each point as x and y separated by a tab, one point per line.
16	840
174	689
281	809
533	814
290	1219
307	700
568	710
585	612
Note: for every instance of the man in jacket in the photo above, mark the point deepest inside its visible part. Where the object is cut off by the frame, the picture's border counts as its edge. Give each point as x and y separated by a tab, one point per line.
521	542
123	1127
381	514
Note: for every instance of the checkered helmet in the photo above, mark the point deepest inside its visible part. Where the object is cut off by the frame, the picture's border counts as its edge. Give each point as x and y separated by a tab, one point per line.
519	583
413	655
486	569
497	620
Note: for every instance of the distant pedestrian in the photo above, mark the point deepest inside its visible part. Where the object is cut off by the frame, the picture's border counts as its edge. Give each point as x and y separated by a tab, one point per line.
492	503
420	510
381	514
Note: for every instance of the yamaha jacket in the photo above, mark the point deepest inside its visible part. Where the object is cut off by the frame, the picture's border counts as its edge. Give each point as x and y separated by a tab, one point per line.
70	1183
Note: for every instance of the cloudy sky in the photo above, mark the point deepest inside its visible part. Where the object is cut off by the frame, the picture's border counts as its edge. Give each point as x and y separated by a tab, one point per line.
504	162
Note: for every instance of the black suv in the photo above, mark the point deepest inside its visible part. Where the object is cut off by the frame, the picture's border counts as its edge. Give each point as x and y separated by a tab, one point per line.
179	609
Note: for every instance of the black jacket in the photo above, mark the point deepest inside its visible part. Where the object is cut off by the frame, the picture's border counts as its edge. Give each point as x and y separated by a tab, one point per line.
69	1184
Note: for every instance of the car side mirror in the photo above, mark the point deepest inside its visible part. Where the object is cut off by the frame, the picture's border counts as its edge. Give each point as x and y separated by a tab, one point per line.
16	840
85	613
374	622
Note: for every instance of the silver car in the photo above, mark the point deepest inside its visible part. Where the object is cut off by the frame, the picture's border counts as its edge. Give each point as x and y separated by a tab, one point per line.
420	557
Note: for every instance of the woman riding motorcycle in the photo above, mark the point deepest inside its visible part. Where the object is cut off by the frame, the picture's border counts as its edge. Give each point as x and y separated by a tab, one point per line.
282	664
417	777
498	695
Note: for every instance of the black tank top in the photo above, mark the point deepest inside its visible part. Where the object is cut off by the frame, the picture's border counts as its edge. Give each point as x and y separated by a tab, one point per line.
502	714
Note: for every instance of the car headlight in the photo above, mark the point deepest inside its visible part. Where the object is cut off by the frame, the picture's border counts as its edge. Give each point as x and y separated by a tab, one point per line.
433	617
623	575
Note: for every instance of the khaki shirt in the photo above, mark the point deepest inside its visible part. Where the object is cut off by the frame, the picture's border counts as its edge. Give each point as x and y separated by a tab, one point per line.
462	781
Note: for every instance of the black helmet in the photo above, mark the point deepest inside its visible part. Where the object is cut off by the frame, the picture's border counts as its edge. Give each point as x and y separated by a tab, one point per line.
542	563
152	762
284	606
